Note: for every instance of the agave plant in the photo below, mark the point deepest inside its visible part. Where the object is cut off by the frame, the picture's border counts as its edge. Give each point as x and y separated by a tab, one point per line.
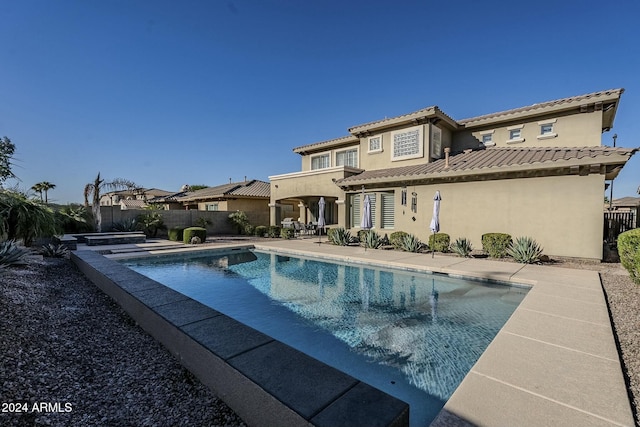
131	224
411	243
339	236
525	250
371	239
54	250
462	247
11	254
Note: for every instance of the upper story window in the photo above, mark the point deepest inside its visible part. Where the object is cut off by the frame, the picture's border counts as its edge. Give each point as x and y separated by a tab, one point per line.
321	161
407	144
375	144
515	134
547	129
486	138
347	158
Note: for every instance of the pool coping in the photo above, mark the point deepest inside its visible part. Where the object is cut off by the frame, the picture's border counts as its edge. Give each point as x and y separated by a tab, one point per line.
554	362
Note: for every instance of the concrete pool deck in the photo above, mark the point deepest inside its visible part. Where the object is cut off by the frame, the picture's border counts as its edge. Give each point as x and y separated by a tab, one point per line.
555	361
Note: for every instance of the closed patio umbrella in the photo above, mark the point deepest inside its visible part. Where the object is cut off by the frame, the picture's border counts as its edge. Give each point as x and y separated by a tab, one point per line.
365	221
435	219
321	222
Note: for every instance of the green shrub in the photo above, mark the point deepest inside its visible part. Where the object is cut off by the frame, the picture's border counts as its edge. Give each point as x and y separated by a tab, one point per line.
411	243
176	234
11	254
249	229
496	244
462	247
25	219
339	236
396	238
191	232
273	231
629	251
151	221
260	230
287	233
439	242
525	250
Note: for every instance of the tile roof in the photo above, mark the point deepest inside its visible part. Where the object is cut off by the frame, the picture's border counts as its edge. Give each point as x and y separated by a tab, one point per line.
490	160
569	102
252	188
328	143
133	204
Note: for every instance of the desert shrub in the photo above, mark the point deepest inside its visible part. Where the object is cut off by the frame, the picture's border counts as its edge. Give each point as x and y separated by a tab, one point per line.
11	254
273	231
525	250
339	236
629	251
439	242
189	233
202	222
73	219
287	233
411	243
462	247
496	244
126	225
54	250
249	229
176	234
260	230
151	221
396	238
239	221
370	239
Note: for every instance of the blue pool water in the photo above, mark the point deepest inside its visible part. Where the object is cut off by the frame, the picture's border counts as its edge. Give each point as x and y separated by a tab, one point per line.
412	335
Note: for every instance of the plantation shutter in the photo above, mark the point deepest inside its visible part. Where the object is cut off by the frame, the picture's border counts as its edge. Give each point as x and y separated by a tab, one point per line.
388	210
372	198
355	210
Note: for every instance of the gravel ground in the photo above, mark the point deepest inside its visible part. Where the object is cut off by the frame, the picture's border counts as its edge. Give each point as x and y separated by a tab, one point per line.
63	342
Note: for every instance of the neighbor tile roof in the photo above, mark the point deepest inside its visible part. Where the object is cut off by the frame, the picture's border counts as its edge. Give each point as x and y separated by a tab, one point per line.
493	158
252	188
133	204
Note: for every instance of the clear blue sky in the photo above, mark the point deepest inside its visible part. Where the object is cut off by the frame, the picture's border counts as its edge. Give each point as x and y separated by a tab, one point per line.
166	93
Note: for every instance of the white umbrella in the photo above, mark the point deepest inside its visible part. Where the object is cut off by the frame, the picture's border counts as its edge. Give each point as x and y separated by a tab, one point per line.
365	222
435	220
321	222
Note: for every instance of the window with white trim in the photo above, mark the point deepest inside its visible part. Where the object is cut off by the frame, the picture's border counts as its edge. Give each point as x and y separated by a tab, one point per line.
407	144
515	134
547	129
347	158
486	137
212	207
375	144
321	161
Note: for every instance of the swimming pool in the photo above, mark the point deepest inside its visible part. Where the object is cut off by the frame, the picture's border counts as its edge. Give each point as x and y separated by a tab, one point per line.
412	335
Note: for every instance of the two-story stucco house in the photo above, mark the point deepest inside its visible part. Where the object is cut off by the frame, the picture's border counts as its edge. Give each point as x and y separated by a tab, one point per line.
535	171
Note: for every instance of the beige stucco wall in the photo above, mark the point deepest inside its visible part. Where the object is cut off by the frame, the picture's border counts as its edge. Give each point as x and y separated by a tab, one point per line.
575	130
563	214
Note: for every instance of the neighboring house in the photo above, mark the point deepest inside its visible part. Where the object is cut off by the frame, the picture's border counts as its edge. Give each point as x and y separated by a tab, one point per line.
535	171
115	198
127	204
169	201
248	196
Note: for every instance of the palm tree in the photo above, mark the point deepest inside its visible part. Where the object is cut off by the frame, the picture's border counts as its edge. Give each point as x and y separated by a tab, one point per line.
41	187
94	188
38	189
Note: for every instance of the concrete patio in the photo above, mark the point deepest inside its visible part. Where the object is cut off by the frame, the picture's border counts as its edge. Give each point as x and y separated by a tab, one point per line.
555	362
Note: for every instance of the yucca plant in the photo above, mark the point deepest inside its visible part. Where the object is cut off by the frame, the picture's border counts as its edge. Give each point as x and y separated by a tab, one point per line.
339	236
371	239
411	243
11	254
525	250
462	247
54	250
